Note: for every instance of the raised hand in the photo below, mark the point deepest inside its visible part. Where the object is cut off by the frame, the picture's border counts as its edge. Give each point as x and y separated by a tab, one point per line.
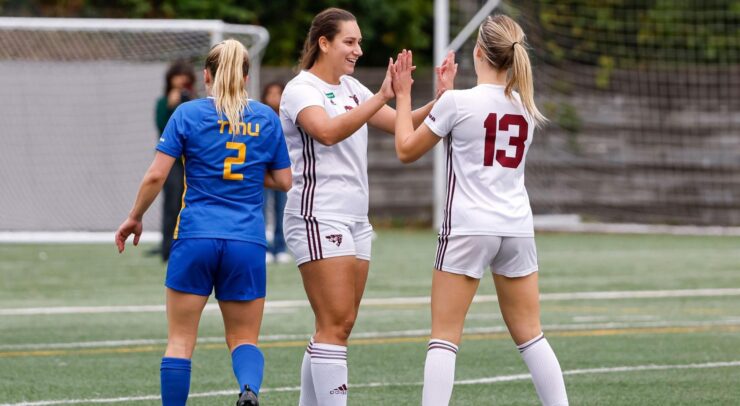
402	80
128	227
446	73
386	89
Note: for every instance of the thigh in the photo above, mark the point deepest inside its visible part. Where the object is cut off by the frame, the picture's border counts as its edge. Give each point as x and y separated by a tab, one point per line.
183	317
331	288
517	257
192	264
519	301
451	297
466	254
362	269
242	321
313	239
242	273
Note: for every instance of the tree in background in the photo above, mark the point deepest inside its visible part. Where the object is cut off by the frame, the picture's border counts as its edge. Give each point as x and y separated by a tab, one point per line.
387	26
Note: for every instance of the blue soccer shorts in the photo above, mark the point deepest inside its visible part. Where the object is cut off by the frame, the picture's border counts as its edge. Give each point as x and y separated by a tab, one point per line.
236	269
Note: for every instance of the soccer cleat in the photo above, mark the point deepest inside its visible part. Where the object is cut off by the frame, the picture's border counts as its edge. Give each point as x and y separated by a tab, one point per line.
247	398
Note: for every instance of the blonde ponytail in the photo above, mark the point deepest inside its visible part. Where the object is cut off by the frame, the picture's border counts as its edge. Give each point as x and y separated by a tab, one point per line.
502	41
521	78
228	64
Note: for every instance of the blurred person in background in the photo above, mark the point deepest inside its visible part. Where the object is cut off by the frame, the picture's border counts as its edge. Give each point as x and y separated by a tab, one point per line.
325	114
232	147
275	199
179	83
488	219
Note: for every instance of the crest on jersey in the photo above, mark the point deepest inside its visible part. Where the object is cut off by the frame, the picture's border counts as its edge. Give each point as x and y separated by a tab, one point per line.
330	95
335	238
356	99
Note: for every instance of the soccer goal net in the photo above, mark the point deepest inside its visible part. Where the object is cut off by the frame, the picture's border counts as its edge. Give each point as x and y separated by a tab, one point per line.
644	106
78	112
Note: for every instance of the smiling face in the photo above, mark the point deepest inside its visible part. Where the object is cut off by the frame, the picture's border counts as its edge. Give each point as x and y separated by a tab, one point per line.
344	50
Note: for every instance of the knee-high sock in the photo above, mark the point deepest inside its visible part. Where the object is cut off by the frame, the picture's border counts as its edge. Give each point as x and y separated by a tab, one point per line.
308	394
545	370
249	365
174	378
329	373
439	373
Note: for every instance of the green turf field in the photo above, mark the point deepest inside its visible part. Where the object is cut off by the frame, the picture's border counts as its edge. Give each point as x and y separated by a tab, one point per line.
669	335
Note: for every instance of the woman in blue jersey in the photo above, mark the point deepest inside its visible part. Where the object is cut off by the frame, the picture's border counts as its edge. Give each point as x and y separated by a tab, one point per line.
231	148
487	220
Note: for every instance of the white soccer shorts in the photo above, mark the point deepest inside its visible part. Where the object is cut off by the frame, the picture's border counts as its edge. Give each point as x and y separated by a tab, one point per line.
469	255
310	238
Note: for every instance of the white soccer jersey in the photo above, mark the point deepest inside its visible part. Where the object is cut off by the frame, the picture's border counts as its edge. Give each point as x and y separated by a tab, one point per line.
487	138
327	181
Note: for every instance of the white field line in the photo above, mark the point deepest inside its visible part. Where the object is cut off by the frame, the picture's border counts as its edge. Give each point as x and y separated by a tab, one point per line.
493	379
390	301
373	334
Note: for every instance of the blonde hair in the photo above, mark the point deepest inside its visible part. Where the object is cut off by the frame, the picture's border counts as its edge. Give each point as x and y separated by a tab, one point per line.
228	64
502	41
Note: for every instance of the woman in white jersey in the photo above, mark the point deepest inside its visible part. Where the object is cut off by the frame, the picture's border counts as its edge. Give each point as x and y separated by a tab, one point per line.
487	220
324	113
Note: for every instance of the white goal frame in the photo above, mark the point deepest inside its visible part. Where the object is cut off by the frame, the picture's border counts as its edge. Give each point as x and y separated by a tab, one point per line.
217	30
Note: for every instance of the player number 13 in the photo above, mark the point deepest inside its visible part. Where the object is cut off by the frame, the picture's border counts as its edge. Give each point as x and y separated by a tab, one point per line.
492	125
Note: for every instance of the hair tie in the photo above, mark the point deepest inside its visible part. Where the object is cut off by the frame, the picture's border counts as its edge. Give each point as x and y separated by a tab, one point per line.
512	45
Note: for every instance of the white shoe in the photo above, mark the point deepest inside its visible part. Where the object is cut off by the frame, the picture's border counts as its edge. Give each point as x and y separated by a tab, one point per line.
269	258
284	258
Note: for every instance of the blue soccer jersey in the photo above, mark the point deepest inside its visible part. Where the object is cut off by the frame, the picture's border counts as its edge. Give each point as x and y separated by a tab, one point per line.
224	168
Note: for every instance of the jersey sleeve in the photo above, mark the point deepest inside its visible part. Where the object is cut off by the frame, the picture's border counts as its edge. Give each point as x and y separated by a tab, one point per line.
281	158
172	139
443	116
297	97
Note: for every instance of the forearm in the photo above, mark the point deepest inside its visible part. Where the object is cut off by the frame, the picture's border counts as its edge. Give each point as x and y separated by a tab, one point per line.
404	123
418	115
150	187
344	125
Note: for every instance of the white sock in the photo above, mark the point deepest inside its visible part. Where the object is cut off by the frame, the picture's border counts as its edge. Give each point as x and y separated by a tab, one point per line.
308	395
329	372
439	373
545	370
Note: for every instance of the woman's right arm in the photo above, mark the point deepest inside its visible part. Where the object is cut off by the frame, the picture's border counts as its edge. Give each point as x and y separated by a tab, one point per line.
150	187
331	130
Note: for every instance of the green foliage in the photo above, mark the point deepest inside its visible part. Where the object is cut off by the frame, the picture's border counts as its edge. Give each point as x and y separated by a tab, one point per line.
627	33
387	26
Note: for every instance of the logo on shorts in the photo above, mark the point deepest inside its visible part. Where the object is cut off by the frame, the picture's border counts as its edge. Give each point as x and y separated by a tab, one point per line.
342	390
335	238
431	117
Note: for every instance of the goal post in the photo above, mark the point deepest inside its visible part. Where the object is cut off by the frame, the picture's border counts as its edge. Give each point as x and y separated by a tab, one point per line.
78	112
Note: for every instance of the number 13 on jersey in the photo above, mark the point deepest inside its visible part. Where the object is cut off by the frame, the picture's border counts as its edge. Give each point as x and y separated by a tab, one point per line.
492	125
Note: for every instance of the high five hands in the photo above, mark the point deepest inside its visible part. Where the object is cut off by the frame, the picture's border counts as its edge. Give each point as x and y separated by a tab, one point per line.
399	80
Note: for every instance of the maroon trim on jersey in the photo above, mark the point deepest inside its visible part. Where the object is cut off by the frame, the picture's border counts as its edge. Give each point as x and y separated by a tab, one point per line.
447	221
313	235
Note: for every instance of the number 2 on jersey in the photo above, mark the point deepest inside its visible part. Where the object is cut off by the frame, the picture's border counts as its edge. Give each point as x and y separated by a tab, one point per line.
492	125
235	160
